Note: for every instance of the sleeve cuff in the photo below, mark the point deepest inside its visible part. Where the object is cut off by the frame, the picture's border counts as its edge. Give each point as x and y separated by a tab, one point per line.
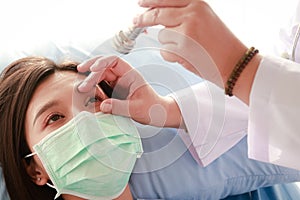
214	122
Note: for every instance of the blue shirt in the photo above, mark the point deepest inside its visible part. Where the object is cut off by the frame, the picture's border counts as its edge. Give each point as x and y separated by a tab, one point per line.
167	170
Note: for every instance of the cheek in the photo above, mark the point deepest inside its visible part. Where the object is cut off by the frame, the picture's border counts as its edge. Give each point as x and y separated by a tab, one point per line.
30	136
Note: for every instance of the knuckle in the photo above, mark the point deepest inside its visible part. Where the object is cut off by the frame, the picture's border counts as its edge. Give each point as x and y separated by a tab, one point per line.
200	4
197	7
155	15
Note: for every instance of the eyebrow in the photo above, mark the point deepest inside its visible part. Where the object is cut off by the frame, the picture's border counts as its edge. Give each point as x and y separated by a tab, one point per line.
44	108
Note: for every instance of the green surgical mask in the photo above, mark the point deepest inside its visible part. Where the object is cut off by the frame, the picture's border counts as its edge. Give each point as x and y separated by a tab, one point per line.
92	156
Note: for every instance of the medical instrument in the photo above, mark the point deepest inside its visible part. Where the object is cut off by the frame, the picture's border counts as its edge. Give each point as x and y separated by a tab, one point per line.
106	88
124	41
295	43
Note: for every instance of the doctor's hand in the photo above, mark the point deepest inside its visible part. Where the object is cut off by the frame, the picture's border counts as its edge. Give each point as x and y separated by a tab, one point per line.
194	36
132	96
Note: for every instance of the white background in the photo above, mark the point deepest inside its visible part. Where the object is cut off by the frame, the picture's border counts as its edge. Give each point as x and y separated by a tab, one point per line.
24	23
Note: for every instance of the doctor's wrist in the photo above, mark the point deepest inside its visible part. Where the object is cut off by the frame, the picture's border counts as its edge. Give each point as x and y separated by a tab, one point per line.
244	84
174	118
238	69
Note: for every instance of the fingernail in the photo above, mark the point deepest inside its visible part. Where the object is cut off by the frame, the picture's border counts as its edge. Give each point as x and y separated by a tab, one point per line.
81	86
106	107
80	65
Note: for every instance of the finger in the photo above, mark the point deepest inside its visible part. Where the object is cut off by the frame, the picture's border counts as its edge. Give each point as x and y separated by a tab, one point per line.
171	49
116	65
104	62
128	84
90	81
169	17
168	35
106	106
192	56
121	67
109	76
172	56
96	77
115	106
163	3
170	40
85	66
168	56
108	68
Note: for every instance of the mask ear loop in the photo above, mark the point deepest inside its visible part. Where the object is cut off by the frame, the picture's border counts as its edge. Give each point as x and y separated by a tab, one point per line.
52	186
295	43
30	155
48	184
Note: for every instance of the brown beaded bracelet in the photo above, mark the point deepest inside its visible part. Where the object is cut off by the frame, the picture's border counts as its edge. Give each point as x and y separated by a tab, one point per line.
239	67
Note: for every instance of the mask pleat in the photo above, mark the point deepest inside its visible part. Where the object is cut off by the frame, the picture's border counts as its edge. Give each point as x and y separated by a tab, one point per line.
57	144
93	156
90	152
104	185
107	155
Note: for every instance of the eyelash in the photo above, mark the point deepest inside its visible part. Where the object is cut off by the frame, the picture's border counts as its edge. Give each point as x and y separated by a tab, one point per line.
51	117
94	99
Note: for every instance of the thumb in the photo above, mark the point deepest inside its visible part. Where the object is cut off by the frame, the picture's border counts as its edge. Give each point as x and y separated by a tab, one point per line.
115	106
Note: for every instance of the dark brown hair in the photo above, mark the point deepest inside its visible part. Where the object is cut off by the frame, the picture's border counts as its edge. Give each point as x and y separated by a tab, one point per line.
18	82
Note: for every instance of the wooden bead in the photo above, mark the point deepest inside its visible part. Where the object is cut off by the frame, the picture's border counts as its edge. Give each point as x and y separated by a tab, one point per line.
238	69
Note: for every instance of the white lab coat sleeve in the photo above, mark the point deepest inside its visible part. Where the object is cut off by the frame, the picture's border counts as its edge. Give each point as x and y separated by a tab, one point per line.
274	121
214	122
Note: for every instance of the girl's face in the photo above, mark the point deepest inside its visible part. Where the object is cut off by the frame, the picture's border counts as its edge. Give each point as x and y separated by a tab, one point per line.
55	102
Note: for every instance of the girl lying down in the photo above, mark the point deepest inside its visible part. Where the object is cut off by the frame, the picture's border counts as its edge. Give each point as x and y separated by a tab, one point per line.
56	143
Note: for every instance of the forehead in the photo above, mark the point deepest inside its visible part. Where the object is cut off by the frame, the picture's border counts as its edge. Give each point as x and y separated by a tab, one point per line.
61	84
59	81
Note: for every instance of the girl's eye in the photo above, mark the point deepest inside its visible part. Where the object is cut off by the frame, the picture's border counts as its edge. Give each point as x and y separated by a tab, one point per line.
94	99
54	118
